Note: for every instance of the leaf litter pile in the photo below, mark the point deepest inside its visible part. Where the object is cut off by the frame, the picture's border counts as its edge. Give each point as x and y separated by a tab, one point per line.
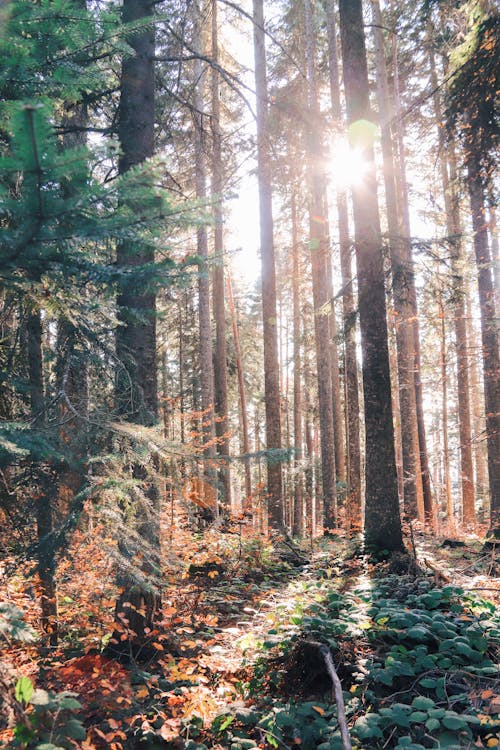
241	657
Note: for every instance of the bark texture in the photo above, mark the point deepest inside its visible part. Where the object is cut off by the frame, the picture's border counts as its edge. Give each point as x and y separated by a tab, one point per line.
136	382
268	278
382	518
489	337
353	510
319	258
218	283
402	270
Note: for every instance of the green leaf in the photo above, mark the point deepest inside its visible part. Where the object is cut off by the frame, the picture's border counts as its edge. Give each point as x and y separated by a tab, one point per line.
48	746
70	703
220	723
427	682
423	703
432	724
418	633
74	729
24	690
447	739
451	721
418	716
367	726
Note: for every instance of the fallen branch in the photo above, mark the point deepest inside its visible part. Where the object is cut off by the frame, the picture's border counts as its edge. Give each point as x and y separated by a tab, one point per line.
337	691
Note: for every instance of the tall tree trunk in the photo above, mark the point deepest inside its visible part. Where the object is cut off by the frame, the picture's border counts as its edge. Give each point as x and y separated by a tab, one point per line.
204	317
309	473
269	316
218	284
136	382
319	259
444	401
449	180
402	270
247	504
71	364
44	510
382	519
477	413
402	193
489	336
338	412
298	487
495	253
393	365
348	305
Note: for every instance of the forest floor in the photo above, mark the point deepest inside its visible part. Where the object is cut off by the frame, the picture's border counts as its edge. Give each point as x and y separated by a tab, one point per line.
240	657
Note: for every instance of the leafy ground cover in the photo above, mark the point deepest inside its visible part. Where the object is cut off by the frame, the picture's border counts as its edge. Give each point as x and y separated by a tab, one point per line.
240	655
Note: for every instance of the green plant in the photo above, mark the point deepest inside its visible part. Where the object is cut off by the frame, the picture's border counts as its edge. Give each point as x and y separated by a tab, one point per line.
49	721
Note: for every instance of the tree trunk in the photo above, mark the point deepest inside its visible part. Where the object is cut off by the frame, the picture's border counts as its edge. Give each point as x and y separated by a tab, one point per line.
71	364
444	395
382	519
402	192
44	510
247	504
136	382
402	270
353	511
319	258
298	494
454	230
269	317
495	252
204	317
489	337
218	284
477	413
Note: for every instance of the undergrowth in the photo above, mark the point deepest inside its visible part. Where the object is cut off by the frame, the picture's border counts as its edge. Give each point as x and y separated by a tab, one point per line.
418	664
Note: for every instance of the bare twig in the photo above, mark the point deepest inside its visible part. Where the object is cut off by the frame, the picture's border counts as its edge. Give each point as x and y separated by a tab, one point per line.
337	691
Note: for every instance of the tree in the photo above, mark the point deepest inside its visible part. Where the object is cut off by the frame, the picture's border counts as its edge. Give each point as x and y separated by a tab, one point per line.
402	270
136	380
218	283
268	277
382	519
472	112
204	316
348	305
319	258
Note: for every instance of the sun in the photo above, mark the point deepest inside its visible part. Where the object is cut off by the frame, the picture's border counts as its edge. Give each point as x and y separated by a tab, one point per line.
348	166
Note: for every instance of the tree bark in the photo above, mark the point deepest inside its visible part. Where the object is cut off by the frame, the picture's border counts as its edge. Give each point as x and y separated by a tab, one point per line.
489	337
444	401
298	495
382	518
402	270
218	284
136	382
247	504
402	192
204	316
477	412
44	510
319	259
268	277
348	304
449	180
